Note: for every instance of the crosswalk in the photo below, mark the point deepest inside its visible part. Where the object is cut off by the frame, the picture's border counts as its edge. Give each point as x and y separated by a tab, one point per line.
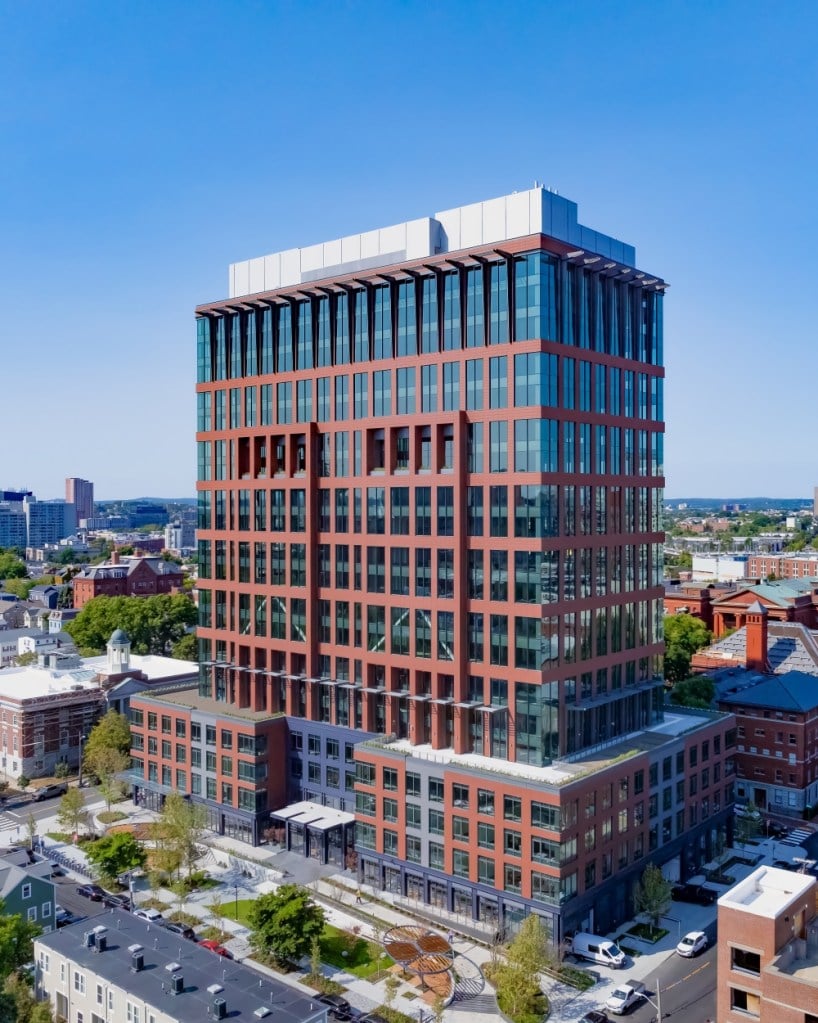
798	836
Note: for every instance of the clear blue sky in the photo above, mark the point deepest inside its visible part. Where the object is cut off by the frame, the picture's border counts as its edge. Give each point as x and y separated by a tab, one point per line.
144	146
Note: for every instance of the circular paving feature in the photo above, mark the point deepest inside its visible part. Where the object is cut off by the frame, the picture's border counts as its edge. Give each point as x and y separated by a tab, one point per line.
419	950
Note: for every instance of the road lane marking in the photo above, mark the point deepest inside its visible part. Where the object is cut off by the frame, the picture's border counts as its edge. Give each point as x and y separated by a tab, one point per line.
687	976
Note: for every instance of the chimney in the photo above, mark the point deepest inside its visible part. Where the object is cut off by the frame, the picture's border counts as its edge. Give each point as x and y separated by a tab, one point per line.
755	658
114	558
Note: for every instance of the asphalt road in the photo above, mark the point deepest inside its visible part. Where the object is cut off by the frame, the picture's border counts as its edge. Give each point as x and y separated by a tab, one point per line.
687	990
65	894
15	813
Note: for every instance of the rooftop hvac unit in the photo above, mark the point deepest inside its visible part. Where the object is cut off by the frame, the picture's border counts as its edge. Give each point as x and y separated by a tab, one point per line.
218	1010
137	962
214	989
89	939
261	1012
177	984
102	942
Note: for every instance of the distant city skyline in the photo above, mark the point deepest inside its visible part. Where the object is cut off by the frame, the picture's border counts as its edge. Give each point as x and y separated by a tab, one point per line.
666	124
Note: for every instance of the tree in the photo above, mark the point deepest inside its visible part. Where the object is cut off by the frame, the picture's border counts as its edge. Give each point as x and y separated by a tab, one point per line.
186	648
153	624
112	731
285	922
181	826
115	854
391	984
518	984
107	763
684	635
30	657
651	895
23	781
696	691
747	824
31	829
71	812
11	566
16	941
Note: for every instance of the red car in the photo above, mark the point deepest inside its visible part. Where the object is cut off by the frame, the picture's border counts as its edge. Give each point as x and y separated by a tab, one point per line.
214	946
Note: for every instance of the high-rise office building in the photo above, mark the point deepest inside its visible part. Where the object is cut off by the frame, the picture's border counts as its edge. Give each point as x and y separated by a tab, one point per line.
430	571
47	522
81	494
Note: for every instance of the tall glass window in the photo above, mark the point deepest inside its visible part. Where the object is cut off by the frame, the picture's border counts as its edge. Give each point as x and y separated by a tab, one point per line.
204	367
474	307
498	304
305	334
451	311
221	350
284	403
322	399
535	379
451	386
407	341
342	343
361	326
474	384
323	348
382	327
406	391
498	446
498	382
535	297
266	342
235	346
284	355
382	397
303	400
429	335
342	398
361	381
428	388
250	345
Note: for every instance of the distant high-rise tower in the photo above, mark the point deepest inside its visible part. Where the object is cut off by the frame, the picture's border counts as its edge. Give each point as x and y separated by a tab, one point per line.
81	494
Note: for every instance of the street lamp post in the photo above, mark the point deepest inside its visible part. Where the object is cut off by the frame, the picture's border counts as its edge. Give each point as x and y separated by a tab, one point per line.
236	887
79	773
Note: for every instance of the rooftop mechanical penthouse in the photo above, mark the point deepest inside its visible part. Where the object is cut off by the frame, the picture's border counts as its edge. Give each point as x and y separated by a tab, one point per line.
430	556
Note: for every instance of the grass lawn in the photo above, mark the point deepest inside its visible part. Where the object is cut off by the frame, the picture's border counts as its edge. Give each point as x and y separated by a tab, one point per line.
363	958
228	910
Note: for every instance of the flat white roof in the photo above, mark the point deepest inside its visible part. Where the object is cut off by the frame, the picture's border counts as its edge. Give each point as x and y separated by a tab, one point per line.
29	683
316	816
153	666
767	891
546	775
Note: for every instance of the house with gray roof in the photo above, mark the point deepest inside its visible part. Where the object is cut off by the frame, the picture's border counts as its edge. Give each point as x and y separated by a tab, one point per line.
146	973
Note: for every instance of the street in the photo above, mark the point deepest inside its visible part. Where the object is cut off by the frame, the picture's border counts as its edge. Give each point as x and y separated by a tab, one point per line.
15	813
687	989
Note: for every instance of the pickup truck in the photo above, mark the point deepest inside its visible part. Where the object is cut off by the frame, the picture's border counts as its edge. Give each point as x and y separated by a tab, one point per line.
625	996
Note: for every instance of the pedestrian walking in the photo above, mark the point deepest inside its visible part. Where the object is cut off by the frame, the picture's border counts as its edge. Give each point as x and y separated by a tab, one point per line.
450	937
358	898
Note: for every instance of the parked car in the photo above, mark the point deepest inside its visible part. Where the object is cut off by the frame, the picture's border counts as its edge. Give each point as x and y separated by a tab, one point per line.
696	893
113	901
64	917
775	829
625	996
153	916
339	1009
92	892
744	810
595	1016
181	929
50	792
692	943
214	946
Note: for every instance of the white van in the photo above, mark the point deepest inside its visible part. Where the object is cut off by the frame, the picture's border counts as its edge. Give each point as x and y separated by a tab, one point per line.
597	950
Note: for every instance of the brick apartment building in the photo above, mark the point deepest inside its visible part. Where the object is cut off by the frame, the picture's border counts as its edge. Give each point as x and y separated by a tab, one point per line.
785	601
126	577
783	566
767	966
766	674
430	565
